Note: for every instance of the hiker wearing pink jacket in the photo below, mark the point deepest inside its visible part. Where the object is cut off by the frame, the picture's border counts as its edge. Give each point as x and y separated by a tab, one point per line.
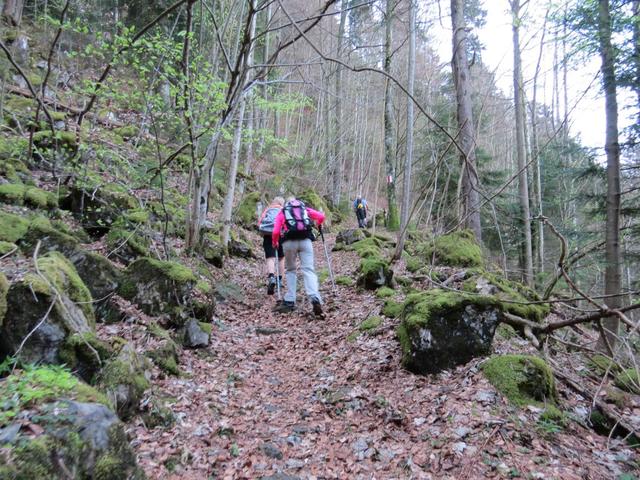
293	224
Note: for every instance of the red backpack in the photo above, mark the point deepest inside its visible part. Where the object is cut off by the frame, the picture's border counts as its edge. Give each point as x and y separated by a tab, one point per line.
298	224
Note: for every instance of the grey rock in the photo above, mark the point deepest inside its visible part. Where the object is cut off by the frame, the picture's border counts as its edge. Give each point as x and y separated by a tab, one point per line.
294	463
271	451
461	432
352	235
194	336
294	440
360	445
459	447
485	396
8	434
269	331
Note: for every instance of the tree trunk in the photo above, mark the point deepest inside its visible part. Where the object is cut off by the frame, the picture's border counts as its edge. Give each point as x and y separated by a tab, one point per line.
336	171
612	274
408	160
523	187
470	196
389	122
233	173
12	11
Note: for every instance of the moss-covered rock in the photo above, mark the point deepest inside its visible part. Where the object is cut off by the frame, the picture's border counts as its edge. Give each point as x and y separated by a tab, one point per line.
523	379
601	364
44	139
375	272
124	380
247	211
442	329
166	357
12	227
84	353
458	249
159	288
57	295
12	193
212	250
84	438
629	380
98	207
127	244
311	199
349	236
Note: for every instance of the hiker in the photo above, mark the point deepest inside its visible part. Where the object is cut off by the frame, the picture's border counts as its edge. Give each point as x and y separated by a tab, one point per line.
266	223
360	207
293	223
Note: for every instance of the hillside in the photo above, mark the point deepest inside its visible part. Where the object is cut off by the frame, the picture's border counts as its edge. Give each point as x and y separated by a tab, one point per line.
137	337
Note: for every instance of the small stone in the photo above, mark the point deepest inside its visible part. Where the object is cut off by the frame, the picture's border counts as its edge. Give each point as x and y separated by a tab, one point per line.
485	396
194	336
294	440
8	434
271	451
459	447
294	463
360	445
503	468
461	432
419	421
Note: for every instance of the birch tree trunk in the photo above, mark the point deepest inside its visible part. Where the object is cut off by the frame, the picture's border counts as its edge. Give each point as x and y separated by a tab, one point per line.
336	171
408	160
231	178
389	123
470	196
523	187
612	276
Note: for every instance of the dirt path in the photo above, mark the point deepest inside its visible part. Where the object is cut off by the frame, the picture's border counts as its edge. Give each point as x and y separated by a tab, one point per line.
288	396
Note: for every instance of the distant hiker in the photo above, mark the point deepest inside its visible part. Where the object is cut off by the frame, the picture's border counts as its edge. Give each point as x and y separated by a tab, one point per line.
360	207
294	224
266	223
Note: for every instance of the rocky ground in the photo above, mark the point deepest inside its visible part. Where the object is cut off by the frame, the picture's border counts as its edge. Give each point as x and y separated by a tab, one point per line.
290	396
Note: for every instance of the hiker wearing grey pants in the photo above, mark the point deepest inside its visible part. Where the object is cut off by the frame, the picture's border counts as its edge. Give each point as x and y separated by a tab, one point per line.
303	248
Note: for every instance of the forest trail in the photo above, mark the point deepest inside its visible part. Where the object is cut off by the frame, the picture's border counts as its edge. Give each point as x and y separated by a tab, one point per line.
289	396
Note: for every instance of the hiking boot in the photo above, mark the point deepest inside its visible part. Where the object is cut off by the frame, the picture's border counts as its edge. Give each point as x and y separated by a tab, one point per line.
317	307
284	307
271	286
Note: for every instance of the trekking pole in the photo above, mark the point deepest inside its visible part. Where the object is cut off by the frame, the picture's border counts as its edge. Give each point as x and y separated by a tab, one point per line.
278	275
326	254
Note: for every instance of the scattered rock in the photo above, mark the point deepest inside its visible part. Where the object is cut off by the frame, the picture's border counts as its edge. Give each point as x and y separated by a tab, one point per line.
271	450
269	331
350	236
194	336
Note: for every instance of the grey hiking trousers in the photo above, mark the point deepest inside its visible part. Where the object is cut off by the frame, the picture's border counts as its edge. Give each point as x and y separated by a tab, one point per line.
303	248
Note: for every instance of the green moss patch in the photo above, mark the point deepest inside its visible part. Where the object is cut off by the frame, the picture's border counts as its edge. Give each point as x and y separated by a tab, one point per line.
344	281
12	227
385	292
34	385
64	277
600	364
392	309
628	380
458	249
4	288
12	193
517	298
6	247
523	379
247	212
367	325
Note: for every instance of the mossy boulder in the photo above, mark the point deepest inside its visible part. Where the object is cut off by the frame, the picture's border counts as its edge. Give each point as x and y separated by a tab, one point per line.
44	139
84	353
127	244
629	380
165	356
443	329
385	292
375	272
194	335
124	380
212	250
517	298
159	288
349	236
240	248
368	247
392	309
523	379
57	300
7	247
458	249
84	438
99	207
12	227
247	210
313	200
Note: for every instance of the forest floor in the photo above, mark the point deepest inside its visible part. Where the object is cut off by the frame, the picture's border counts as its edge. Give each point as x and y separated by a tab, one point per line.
287	396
